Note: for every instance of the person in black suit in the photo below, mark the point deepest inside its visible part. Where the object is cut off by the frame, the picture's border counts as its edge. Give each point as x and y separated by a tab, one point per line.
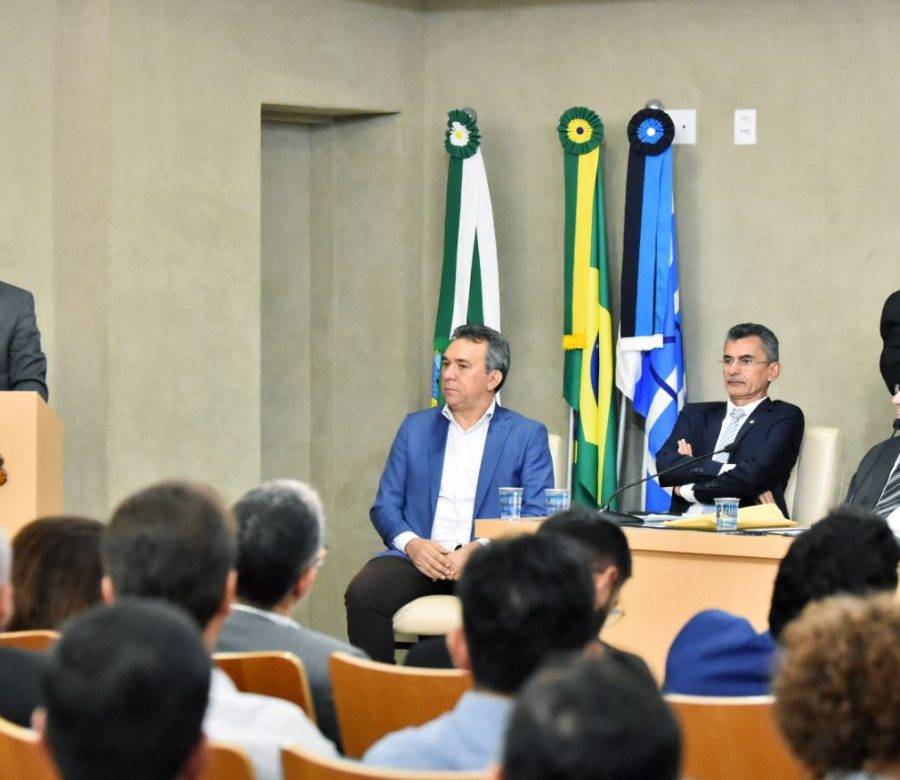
22	363
20	672
763	435
876	483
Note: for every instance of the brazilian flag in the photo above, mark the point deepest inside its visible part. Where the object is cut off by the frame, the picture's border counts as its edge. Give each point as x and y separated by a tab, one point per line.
588	377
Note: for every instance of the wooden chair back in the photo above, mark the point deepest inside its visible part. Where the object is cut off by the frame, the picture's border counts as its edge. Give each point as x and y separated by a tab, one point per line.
35	641
270	674
227	762
372	699
21	755
733	738
297	764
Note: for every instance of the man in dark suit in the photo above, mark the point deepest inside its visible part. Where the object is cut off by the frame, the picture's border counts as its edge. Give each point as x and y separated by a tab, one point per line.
763	436
22	364
876	483
444	470
20	681
280	549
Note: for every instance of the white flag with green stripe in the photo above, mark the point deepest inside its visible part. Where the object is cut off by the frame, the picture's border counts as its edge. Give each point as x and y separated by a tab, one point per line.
470	284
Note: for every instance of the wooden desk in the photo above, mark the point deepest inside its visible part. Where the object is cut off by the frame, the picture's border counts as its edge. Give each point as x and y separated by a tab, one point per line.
675	575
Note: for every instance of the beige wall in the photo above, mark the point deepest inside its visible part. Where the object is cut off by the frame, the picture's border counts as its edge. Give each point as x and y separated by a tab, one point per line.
131	164
795	232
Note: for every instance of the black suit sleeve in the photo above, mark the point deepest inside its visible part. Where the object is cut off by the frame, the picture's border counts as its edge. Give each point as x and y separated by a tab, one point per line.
27	364
774	461
668	457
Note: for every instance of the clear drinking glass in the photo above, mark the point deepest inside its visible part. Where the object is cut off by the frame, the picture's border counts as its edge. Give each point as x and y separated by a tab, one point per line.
510	503
726	514
557	500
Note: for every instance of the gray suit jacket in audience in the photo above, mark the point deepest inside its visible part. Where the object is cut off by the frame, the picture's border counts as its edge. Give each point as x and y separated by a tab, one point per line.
249	630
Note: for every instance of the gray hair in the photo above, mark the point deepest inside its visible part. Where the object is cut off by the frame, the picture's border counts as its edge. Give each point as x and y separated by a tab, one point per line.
746	329
497	357
5	559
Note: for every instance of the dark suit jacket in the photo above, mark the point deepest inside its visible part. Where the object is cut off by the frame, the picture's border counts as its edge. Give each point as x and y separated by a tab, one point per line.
516	454
872	473
20	684
765	451
246	632
22	364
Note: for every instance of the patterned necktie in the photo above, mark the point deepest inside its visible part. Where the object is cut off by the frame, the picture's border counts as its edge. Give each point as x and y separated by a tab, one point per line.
729	434
890	496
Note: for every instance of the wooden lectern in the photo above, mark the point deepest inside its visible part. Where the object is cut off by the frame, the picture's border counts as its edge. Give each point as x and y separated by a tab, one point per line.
31	446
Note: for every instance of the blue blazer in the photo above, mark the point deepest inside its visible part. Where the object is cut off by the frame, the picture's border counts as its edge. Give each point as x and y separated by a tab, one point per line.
516	454
765	451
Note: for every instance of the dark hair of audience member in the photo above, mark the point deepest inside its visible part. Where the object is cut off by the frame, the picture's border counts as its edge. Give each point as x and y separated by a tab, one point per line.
851	550
605	541
56	571
125	690
837	690
591	719
172	541
279	534
523	600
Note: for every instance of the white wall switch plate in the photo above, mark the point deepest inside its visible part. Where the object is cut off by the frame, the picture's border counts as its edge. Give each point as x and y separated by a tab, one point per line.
744	126
685	121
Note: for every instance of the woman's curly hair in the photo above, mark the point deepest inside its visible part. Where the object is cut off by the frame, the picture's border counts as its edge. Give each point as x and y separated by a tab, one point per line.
837	691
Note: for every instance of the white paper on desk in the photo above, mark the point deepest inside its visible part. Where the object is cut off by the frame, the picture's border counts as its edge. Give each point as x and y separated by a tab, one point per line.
659	518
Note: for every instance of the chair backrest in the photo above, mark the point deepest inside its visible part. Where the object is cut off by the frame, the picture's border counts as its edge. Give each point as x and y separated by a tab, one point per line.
816	478
21	754
35	641
732	738
227	762
372	699
298	764
560	461
281	675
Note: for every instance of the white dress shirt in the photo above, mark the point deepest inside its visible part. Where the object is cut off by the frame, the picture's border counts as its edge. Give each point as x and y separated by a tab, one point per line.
260	725
687	491
459	479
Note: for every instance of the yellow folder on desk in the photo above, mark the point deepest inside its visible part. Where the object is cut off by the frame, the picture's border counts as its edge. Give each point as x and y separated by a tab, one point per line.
762	516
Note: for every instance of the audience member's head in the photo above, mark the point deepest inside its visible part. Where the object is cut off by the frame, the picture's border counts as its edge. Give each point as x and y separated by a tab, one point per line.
280	536
173	541
523	600
125	691
838	686
851	551
606	546
56	571
5	589
591	719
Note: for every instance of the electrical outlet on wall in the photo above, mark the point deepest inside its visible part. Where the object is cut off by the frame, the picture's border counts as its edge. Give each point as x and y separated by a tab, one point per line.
744	126
685	121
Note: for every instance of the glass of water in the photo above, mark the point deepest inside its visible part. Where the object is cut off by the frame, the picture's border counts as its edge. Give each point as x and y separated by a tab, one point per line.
726	514
557	500
510	503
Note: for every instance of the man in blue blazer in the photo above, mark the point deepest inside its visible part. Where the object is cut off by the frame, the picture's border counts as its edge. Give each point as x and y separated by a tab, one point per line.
22	363
763	435
445	468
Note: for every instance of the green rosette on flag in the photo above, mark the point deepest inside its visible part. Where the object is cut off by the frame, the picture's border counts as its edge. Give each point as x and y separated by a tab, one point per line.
470	288
588	376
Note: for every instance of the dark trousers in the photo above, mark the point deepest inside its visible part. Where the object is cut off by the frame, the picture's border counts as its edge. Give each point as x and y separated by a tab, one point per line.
381	587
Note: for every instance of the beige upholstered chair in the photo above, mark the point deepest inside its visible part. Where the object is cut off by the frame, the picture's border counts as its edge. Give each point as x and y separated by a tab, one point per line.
227	762
732	738
21	754
816	479
372	699
558	456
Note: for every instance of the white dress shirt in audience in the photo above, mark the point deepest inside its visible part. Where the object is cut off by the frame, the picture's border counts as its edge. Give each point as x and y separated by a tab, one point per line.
260	725
459	480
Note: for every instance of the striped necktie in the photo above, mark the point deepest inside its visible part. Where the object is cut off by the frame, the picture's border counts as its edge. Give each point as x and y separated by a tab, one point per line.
729	434
890	496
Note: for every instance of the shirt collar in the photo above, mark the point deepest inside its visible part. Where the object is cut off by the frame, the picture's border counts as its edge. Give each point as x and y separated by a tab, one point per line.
489	413
747	409
282	620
